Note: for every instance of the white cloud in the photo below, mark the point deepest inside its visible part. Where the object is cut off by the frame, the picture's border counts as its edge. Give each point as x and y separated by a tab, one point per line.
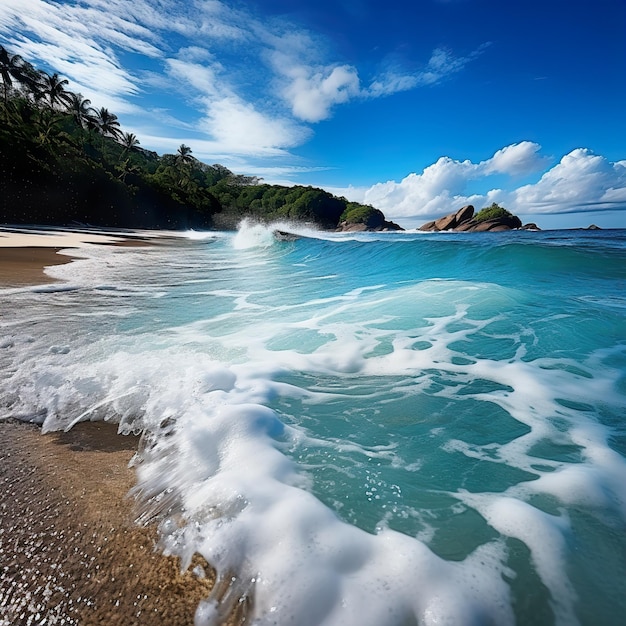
312	92
202	78
442	186
442	64
239	128
251	82
518	159
77	42
581	181
233	125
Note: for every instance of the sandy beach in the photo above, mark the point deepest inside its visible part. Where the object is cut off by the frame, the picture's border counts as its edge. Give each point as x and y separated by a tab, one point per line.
24	266
24	253
71	552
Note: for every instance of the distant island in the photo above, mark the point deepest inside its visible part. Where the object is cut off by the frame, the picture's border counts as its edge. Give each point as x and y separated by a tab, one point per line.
65	162
492	219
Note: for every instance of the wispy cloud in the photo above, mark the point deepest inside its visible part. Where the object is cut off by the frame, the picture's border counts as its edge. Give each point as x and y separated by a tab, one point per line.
79	41
235	125
255	107
581	181
441	66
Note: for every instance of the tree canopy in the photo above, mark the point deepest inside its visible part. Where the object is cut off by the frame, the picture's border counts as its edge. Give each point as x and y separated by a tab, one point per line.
495	211
63	160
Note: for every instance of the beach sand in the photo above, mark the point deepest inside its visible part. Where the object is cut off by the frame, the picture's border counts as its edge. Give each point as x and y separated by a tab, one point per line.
70	551
25	252
24	266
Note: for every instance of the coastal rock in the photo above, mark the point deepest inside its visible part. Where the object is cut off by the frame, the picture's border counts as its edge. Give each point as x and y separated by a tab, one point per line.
465	214
428	226
345	227
390	226
461	221
496	225
593	227
465	226
530	226
446	223
451	221
283	235
359	227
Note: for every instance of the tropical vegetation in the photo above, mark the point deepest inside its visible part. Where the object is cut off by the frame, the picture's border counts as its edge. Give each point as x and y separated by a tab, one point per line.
493	212
63	160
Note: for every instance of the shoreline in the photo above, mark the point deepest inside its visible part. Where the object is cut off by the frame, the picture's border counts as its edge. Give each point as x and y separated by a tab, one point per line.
23	266
71	550
26	251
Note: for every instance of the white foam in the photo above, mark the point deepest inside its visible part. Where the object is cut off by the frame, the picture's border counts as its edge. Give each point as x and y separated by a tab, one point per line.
219	464
544	535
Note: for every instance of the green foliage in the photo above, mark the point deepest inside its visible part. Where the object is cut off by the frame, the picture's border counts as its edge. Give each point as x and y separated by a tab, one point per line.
275	202
362	214
62	160
492	212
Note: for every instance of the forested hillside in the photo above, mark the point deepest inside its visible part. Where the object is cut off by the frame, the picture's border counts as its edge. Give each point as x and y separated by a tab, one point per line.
64	161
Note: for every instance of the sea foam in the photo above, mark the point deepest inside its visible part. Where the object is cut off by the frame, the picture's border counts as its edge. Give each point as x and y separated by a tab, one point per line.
387	446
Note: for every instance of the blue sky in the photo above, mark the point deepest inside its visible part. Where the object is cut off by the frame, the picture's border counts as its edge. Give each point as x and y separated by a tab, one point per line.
415	107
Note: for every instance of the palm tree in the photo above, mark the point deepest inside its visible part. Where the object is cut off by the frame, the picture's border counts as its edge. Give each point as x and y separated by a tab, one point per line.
129	142
12	67
81	111
21	115
52	90
184	161
107	123
125	168
183	154
49	129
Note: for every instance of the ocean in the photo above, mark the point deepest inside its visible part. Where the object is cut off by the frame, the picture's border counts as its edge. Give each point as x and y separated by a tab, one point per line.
355	429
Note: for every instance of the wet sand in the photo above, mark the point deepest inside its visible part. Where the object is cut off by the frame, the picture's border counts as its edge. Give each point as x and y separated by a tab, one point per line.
24	266
24	253
70	551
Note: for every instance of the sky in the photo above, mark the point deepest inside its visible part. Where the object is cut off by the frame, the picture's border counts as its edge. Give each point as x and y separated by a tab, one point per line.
416	107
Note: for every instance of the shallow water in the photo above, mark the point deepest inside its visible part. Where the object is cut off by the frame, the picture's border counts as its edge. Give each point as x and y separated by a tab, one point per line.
357	429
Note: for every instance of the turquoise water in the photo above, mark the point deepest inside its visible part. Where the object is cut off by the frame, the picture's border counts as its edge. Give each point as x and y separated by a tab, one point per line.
357	429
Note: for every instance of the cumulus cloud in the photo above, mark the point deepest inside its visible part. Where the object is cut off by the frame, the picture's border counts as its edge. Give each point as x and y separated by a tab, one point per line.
581	181
518	159
309	87
312	92
442	186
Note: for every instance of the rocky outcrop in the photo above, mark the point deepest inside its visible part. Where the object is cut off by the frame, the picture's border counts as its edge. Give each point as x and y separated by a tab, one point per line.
359	227
452	221
462	221
508	222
